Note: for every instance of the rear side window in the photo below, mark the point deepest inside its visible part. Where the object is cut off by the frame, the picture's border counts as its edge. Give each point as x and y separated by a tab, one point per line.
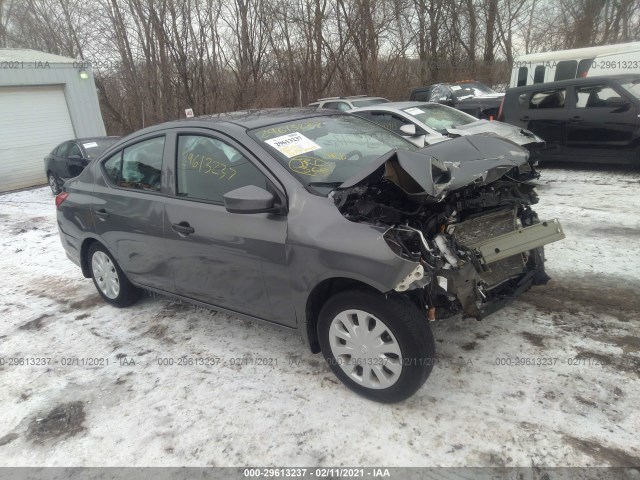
594	96
420	96
207	168
548	99
522	76
74	150
538	75
61	150
340	106
566	70
139	166
112	167
142	165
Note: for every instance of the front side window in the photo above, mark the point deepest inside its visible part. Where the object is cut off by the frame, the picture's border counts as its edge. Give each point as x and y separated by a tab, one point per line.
139	166
207	168
324	151
548	99
632	87
389	121
596	96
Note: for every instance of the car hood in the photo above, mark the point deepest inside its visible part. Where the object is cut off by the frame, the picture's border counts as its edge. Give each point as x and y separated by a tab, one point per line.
515	134
437	169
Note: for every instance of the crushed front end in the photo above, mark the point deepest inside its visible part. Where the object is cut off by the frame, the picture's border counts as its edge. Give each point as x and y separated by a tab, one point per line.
456	210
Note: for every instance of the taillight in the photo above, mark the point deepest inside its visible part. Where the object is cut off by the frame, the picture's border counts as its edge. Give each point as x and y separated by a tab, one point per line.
500	110
61	197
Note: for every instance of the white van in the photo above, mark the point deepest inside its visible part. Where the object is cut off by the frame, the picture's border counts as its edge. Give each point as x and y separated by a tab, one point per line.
579	62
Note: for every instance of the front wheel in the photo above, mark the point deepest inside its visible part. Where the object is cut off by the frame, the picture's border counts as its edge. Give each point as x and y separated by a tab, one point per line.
109	279
380	347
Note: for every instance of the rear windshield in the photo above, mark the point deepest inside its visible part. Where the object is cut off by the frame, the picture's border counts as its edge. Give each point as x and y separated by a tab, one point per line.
439	117
93	148
325	151
471	89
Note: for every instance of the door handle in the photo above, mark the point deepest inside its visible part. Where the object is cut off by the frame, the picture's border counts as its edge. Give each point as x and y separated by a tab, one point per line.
102	213
524	119
576	119
182	228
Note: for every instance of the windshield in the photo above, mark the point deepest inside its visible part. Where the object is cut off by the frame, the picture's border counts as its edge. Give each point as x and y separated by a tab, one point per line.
471	89
632	86
439	117
93	148
323	152
369	102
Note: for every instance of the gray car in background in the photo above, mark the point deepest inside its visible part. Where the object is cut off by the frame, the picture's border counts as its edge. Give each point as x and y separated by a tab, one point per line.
324	224
424	123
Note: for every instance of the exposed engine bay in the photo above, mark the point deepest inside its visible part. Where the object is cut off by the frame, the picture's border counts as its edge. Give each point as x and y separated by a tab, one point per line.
467	224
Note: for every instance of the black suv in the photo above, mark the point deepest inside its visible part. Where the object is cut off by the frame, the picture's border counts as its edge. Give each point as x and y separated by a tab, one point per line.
591	119
471	97
69	159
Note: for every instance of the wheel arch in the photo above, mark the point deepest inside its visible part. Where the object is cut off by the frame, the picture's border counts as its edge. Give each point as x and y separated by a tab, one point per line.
84	255
317	298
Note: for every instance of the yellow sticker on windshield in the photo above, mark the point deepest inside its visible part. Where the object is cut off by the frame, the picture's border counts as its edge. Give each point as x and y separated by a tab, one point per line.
309	166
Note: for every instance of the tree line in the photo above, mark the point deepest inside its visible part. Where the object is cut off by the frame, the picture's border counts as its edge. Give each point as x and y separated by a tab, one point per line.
154	58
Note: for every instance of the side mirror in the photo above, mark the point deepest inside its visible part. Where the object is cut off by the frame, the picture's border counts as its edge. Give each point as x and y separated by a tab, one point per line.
249	199
409	129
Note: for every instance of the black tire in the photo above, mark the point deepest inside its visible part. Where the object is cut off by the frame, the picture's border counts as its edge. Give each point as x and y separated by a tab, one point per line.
54	185
127	294
407	324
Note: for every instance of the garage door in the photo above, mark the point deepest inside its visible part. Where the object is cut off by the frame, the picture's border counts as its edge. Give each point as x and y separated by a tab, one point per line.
33	120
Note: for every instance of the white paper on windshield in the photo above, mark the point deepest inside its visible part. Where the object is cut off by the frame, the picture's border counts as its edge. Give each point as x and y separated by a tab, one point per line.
293	144
90	145
413	111
456	87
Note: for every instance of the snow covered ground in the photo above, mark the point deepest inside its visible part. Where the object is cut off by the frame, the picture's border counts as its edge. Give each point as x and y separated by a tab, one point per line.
263	399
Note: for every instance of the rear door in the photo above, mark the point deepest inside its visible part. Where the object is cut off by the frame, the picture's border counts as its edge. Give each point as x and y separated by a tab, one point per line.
543	112
235	261
128	210
601	124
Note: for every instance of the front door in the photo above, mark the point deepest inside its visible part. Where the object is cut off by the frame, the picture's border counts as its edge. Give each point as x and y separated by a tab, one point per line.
235	261
601	124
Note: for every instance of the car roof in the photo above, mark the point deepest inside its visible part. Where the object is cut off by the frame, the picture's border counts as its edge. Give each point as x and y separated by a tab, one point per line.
392	106
89	139
572	81
246	119
349	97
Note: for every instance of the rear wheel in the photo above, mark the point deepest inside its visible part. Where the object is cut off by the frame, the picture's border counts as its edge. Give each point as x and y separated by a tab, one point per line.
109	279
380	347
53	184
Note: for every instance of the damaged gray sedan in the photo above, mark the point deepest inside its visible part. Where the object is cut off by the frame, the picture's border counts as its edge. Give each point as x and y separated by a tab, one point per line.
328	225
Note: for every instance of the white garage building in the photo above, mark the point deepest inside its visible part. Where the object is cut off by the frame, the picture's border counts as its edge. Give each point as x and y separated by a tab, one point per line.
44	100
